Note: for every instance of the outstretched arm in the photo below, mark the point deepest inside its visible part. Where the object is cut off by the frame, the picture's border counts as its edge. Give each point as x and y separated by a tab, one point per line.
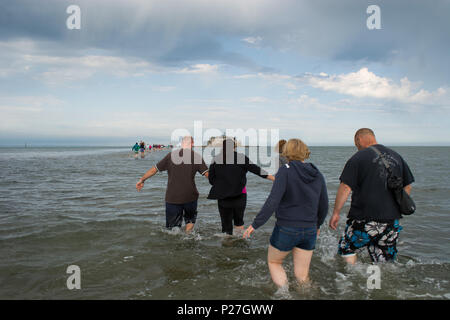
271	204
148	174
255	169
341	197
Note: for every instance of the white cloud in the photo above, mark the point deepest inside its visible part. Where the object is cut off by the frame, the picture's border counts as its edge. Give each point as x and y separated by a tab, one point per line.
26	57
363	83
201	68
69	69
253	40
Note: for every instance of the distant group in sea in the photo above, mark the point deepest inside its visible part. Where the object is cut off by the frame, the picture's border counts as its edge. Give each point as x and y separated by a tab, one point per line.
140	148
298	197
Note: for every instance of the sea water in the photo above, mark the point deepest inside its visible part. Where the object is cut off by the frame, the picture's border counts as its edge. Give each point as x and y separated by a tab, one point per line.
79	206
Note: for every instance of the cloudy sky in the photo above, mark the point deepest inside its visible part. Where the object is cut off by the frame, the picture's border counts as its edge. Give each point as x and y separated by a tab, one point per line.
141	69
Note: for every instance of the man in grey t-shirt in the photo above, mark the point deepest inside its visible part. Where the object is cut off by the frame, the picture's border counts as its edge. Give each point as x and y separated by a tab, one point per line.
181	194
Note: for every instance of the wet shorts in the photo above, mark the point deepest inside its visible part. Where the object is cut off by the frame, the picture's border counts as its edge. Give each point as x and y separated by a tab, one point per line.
286	239
379	238
176	212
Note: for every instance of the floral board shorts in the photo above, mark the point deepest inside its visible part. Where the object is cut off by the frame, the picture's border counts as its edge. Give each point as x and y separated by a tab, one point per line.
379	238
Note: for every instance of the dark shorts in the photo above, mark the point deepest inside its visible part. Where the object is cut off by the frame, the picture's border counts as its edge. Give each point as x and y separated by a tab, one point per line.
232	212
379	238
176	212
286	239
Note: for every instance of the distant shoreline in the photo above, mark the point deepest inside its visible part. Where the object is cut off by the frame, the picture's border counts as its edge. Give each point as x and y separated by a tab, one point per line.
203	146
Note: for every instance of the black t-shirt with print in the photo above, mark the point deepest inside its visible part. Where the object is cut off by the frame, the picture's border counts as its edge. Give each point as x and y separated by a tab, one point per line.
366	175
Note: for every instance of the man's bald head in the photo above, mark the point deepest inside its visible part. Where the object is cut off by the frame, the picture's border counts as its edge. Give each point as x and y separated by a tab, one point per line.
364	138
187	142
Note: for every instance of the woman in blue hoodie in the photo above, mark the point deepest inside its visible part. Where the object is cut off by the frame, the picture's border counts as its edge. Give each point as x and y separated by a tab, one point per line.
300	200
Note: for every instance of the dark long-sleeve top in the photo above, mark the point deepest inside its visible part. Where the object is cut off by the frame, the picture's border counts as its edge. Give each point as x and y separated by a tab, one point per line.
228	178
298	197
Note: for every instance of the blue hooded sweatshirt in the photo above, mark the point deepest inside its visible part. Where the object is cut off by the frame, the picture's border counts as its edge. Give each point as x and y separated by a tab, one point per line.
298	197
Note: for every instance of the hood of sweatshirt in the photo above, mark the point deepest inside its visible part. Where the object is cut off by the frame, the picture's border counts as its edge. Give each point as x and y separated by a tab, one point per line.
306	171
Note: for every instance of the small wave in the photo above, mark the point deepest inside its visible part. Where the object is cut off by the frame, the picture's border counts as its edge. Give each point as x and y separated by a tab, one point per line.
282	293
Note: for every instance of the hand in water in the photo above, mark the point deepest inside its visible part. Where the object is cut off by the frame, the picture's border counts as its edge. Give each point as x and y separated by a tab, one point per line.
334	221
248	232
139	185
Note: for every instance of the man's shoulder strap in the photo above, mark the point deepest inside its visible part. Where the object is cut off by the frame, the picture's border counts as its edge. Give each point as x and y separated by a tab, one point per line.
386	164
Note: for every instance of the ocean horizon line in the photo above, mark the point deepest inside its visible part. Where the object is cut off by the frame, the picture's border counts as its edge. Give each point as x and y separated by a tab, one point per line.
23	146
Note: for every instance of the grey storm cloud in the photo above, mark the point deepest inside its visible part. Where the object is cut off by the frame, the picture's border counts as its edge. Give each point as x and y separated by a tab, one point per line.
414	34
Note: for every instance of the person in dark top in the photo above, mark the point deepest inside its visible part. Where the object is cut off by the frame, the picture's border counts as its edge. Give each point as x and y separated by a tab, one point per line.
135	148
181	194
373	219
227	175
142	149
300	200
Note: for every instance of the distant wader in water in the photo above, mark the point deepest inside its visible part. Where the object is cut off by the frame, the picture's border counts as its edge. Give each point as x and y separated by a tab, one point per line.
142	150
135	148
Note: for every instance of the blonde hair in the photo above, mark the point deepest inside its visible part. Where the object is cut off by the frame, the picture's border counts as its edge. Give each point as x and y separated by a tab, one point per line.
296	149
280	145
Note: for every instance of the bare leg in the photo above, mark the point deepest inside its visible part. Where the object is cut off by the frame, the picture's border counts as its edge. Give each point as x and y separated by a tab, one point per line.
239	230
351	259
275	259
189	227
302	260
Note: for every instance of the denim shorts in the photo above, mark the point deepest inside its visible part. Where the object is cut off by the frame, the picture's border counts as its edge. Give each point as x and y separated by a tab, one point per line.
285	239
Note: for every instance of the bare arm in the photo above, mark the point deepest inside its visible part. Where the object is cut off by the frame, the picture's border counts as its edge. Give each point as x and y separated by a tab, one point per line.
341	197
148	174
408	189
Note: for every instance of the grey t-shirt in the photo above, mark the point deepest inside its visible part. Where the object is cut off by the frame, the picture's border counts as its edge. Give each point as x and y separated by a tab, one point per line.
181	168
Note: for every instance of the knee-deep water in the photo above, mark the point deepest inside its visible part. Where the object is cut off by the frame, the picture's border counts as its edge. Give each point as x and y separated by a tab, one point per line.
79	206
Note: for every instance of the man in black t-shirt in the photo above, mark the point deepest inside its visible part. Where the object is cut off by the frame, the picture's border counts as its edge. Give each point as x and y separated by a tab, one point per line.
374	214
